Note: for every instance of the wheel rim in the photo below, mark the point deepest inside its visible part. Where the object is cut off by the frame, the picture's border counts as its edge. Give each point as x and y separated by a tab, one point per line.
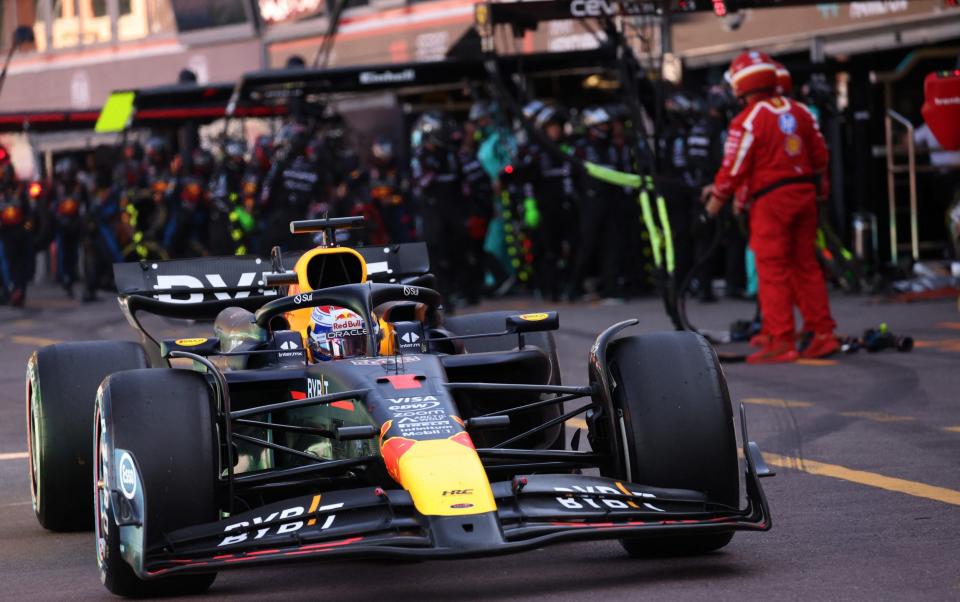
101	492
33	439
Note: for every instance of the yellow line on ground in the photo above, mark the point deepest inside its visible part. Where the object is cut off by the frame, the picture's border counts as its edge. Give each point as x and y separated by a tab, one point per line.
813	362
941	345
14	456
877	416
30	340
777	403
862	477
579	423
952	429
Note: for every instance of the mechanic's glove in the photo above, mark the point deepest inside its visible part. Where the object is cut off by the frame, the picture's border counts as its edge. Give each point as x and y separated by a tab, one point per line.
531	214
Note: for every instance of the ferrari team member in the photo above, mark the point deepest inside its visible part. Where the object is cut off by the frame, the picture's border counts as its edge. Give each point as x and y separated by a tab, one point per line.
775	150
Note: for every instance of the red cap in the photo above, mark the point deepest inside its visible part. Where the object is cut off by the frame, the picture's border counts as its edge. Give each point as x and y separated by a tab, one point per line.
752	71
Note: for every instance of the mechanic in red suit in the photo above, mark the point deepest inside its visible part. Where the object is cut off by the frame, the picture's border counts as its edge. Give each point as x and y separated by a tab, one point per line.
775	150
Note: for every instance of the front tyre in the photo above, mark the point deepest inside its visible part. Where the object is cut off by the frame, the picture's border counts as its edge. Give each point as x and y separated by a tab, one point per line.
678	428
164	419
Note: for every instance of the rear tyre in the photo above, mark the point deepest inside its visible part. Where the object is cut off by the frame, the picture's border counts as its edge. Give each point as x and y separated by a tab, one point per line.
163	417
678	423
62	383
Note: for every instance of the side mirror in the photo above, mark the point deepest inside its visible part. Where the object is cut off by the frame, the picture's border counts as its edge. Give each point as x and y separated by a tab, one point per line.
535	322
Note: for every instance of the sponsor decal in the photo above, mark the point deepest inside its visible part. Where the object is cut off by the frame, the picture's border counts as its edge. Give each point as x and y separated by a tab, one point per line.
387	77
411	291
534	317
461	506
583	500
347	321
127	471
291	526
608	8
381	361
192	283
410	337
189	342
303	298
317	387
787	123
793	145
413	403
291	348
337	334
459	492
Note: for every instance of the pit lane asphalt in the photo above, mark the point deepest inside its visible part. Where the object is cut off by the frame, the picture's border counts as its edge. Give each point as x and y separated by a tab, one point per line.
870	511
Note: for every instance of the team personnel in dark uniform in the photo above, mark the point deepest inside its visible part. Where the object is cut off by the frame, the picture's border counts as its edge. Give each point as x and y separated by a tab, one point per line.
390	190
599	203
230	223
438	188
16	234
68	204
188	200
553	188
294	182
677	182
102	221
478	196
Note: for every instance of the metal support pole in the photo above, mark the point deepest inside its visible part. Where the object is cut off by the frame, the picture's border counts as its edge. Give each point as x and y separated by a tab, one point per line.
891	191
911	172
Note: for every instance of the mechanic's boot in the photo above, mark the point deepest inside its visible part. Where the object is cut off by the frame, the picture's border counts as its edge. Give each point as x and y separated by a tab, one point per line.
775	352
821	345
760	340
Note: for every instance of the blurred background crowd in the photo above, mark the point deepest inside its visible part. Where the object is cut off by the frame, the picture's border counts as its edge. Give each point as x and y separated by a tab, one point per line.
499	212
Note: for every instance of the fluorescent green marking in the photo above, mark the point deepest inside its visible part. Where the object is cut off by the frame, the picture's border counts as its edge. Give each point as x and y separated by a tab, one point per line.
667	233
612	176
647	212
116	113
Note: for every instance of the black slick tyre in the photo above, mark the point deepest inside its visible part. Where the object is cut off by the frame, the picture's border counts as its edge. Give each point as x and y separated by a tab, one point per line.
678	424
164	419
61	386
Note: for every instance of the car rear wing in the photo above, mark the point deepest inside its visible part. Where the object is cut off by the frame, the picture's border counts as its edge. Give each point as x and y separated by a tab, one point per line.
201	288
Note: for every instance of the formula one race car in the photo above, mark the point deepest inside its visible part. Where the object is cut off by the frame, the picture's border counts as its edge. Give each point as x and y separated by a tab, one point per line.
350	418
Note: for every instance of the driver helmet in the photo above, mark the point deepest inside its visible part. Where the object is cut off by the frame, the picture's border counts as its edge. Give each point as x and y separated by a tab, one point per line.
335	333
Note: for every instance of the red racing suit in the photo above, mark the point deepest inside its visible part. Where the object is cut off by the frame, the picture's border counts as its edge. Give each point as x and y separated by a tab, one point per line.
775	150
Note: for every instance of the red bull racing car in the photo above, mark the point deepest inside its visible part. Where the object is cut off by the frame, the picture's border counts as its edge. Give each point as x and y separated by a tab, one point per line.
334	411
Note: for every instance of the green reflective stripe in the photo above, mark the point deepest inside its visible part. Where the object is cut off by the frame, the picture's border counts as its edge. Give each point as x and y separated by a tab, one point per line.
116	113
651	227
612	176
667	233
